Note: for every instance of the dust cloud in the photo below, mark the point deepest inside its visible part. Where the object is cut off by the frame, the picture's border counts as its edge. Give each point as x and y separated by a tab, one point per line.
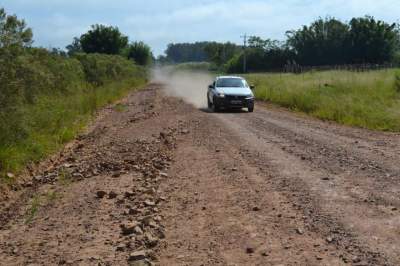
191	86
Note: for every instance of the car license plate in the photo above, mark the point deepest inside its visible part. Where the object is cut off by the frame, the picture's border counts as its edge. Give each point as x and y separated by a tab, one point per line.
236	102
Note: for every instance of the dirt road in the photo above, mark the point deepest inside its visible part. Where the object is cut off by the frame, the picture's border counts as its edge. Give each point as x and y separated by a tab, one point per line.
156	180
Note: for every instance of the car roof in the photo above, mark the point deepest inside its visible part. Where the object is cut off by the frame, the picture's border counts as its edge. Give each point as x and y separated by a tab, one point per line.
229	77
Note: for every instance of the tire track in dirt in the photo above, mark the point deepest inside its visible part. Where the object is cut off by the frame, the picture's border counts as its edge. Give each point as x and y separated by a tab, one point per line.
225	212
348	203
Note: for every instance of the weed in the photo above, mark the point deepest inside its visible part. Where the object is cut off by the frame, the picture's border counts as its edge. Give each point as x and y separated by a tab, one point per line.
51	196
33	209
64	177
120	107
38	201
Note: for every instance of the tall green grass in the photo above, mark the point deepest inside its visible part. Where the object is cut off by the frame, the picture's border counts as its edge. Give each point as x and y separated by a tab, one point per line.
48	99
363	99
56	119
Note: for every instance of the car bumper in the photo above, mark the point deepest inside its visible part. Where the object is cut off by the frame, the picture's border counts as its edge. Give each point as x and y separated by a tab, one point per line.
232	102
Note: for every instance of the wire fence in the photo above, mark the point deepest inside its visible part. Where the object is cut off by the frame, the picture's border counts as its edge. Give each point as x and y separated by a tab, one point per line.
298	69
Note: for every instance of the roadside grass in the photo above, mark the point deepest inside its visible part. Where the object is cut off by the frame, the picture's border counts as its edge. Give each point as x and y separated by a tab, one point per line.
51	196
55	119
120	107
363	99
64	178
39	201
33	209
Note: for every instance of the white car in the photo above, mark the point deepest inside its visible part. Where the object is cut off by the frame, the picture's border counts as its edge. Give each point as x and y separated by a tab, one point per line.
230	92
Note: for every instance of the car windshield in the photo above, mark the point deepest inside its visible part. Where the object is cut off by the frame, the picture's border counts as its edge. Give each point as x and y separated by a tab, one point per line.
231	82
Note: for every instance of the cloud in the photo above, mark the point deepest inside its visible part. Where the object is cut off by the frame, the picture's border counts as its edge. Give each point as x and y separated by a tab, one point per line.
159	22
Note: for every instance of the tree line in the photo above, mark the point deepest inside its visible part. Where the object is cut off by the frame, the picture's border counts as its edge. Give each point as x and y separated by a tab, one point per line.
185	52
328	41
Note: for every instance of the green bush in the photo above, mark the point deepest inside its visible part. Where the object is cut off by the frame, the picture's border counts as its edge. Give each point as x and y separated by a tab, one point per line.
45	99
27	76
140	53
41	72
101	68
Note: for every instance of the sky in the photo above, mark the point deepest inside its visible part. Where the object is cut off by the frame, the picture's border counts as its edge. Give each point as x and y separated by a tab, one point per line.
159	22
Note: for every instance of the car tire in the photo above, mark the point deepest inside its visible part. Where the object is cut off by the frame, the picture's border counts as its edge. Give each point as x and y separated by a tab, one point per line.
209	104
251	109
215	108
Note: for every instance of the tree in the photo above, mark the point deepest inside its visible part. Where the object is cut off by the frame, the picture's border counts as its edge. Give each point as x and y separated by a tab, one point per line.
330	41
103	39
321	43
14	38
186	52
258	42
74	47
162	60
221	53
140	53
372	41
261	55
13	32
58	52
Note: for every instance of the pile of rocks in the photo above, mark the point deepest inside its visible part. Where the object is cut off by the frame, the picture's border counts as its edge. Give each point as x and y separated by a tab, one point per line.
112	159
147	161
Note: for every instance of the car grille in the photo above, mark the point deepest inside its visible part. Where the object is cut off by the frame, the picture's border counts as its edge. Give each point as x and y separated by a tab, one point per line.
233	97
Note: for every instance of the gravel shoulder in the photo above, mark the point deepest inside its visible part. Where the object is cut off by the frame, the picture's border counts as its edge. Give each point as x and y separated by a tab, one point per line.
157	181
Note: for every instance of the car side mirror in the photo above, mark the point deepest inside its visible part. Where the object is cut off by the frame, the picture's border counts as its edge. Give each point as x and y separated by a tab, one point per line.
210	86
252	87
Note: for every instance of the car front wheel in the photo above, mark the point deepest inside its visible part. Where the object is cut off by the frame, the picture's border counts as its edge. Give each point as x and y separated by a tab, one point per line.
215	107
209	104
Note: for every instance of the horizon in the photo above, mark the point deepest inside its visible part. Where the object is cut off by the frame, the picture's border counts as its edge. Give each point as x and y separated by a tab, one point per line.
56	23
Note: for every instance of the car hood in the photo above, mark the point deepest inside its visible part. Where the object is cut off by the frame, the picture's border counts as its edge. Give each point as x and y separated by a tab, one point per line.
235	91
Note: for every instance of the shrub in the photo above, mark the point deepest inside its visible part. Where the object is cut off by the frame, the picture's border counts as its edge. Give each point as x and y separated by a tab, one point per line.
140	53
46	98
103	39
101	68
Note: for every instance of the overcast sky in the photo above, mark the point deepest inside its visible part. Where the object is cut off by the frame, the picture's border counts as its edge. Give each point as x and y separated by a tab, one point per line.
159	22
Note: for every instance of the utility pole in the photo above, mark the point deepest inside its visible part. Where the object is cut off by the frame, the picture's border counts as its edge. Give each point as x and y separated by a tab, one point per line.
244	52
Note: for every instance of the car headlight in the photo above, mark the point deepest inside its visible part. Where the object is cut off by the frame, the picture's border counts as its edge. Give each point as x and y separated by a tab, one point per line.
249	97
221	95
